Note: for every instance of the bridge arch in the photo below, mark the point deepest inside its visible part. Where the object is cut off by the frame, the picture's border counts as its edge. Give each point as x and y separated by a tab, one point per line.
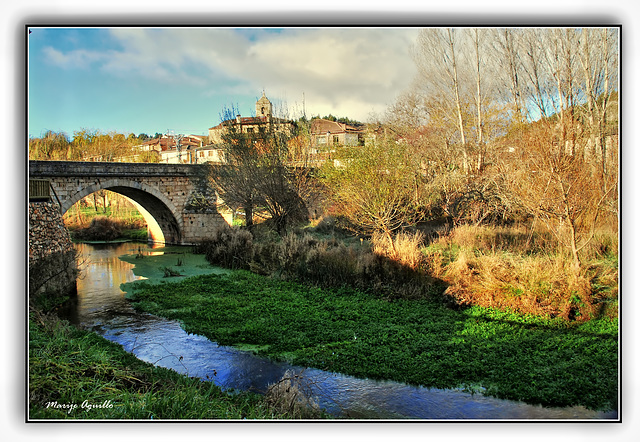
161	215
169	196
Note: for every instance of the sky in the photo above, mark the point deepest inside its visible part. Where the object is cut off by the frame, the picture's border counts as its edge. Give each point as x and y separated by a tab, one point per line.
181	79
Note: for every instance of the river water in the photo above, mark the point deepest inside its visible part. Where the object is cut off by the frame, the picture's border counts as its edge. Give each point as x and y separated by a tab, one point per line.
101	306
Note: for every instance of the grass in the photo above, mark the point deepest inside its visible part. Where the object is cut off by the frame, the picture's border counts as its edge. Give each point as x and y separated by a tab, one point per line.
523	271
76	374
87	224
534	359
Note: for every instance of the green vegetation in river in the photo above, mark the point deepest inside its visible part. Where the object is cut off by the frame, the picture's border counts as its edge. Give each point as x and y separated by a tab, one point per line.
421	342
155	264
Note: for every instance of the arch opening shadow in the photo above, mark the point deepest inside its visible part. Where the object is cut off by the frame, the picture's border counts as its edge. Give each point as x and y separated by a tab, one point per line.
162	225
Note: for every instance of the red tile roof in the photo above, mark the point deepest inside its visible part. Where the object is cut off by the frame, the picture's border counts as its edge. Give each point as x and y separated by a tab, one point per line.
320	127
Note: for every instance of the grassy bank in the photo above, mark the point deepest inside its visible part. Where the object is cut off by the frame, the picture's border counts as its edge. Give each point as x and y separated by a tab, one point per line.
87	224
538	360
511	268
75	374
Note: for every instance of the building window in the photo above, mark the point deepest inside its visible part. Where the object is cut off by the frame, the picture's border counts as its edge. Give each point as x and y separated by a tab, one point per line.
322	139
336	139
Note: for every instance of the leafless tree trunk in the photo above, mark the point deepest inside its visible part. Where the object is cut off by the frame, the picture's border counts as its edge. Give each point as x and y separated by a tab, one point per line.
455	85
508	50
479	99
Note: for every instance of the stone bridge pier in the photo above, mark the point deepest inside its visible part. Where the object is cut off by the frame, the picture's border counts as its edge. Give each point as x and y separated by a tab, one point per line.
175	199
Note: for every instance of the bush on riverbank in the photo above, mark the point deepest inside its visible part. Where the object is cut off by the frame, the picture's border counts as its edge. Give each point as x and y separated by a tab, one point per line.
102	228
508	268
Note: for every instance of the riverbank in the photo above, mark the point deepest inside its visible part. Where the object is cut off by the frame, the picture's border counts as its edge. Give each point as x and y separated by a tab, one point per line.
552	362
122	222
76	374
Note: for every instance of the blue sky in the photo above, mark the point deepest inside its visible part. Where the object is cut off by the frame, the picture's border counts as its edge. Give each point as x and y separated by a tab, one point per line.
180	79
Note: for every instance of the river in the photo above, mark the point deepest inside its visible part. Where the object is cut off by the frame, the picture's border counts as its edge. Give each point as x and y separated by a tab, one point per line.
101	306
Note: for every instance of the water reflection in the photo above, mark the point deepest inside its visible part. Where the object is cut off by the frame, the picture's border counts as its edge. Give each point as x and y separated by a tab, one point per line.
101	307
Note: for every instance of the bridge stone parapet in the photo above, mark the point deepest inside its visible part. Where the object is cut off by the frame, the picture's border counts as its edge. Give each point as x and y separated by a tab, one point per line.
175	199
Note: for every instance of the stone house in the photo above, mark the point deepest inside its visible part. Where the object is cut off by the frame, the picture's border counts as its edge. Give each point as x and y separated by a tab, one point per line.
173	149
327	134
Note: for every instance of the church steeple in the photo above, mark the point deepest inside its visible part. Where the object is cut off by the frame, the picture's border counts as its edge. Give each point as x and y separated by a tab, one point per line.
263	106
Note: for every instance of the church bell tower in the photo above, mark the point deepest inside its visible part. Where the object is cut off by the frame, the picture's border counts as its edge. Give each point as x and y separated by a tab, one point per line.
263	107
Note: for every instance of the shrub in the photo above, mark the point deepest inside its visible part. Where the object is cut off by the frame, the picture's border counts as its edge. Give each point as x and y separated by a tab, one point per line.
228	247
404	248
101	228
508	269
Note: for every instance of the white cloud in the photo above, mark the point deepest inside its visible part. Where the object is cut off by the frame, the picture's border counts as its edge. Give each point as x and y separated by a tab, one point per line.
79	58
344	71
366	68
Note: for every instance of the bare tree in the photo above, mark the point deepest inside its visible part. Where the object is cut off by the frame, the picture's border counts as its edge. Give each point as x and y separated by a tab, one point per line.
236	181
561	190
507	48
437	55
255	174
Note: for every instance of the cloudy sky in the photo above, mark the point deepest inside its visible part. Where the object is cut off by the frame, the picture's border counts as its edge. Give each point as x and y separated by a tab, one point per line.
148	80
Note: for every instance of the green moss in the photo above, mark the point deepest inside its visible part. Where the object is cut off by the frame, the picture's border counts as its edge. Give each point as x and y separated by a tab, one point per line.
520	357
151	265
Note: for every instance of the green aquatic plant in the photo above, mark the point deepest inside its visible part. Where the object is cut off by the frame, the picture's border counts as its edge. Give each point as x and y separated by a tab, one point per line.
535	359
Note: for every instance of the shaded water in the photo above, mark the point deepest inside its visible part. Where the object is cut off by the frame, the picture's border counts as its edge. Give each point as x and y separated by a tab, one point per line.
101	307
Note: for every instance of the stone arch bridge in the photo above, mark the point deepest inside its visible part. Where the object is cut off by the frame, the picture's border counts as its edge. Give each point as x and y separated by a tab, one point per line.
175	199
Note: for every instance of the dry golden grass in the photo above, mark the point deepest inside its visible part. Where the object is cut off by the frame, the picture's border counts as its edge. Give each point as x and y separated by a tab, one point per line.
514	269
292	395
404	248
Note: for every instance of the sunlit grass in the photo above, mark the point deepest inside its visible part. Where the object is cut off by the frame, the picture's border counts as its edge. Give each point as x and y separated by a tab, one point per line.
522	357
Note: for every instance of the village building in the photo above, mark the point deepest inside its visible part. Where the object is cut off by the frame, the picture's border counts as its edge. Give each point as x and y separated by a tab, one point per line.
327	134
264	116
174	148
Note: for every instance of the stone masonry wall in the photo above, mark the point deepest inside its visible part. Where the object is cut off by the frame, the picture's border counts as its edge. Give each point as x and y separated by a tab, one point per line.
177	196
52	259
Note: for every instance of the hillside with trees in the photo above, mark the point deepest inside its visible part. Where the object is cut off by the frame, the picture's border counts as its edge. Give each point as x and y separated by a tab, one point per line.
86	145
